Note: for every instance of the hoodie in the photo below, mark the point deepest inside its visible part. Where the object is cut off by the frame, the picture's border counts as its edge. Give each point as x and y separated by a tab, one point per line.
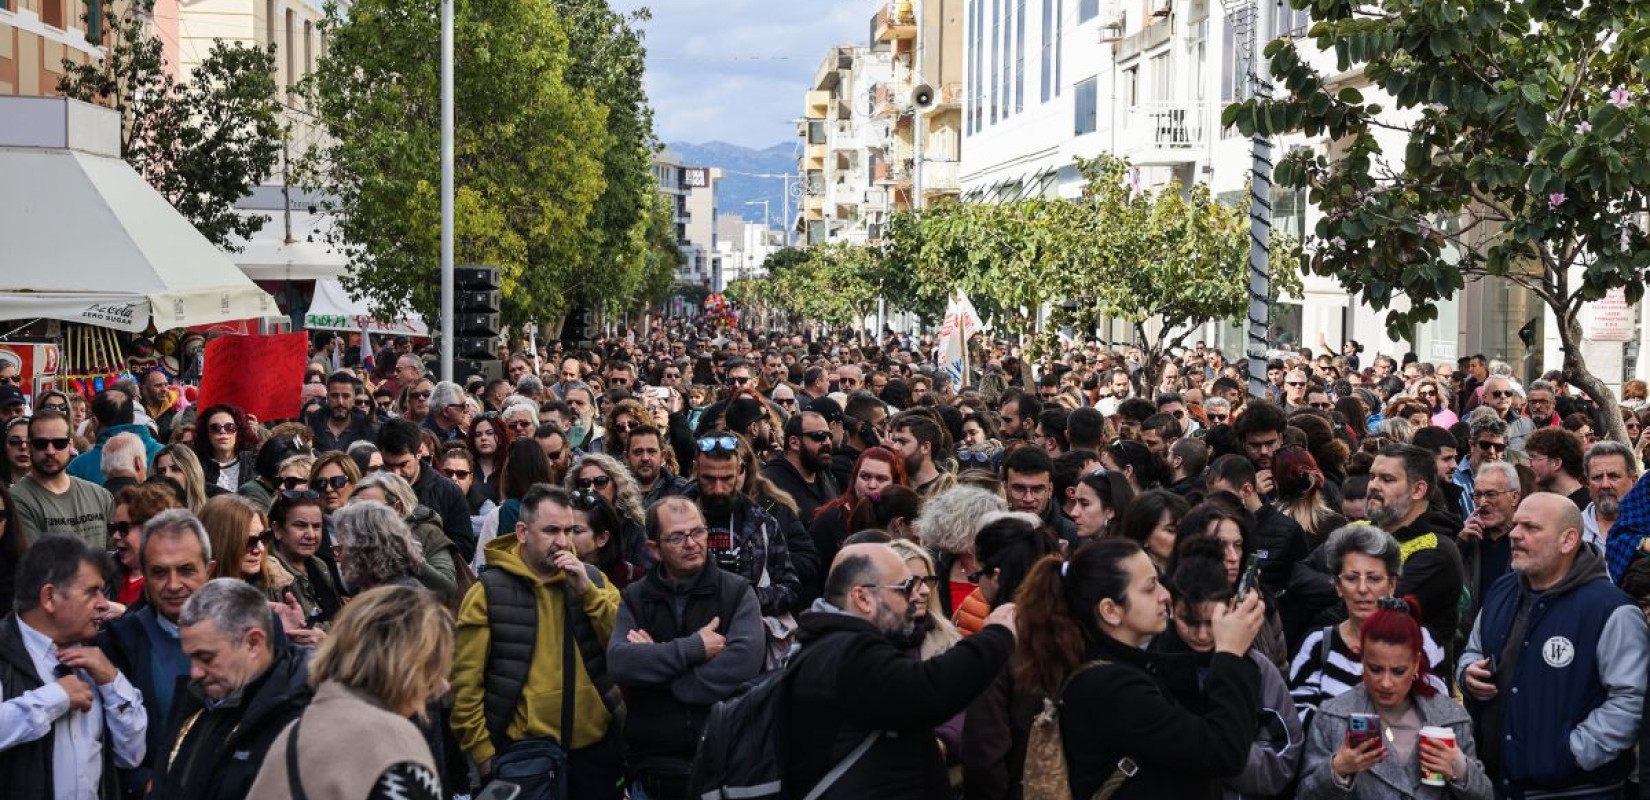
1433	571
539	712
88	466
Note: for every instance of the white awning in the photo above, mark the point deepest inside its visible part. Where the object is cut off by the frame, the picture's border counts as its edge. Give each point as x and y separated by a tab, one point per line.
270	256
83	238
333	310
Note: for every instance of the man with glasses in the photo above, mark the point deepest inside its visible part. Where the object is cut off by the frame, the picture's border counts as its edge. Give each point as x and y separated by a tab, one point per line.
342	423
803	470
398	441
1541	405
1400	482
736	378
415	400
1488	436
744	539
854	686
1499	394
519	420
1295	385
849	378
677	658
9	373
408	369
621	375
1028	478
1486	549
49	499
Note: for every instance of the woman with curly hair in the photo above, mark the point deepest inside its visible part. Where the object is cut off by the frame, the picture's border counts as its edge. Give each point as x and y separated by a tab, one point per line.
611	479
947	525
877	469
598	543
374	547
439	557
1435	395
226	446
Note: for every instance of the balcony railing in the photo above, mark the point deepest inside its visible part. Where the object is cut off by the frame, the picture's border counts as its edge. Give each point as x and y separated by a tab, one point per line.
1168	125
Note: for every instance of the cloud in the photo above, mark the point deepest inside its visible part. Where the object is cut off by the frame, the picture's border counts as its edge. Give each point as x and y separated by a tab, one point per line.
735	70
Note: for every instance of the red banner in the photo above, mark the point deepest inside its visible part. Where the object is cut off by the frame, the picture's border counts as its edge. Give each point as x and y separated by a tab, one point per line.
264	375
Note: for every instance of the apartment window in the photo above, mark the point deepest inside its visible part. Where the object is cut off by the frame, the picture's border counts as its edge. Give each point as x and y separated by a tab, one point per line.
1087	10
1087	106
975	14
309	47
269	23
1160	78
1288	21
996	56
1047	74
1235	66
1059	45
1131	86
816	131
51	13
1020	56
1200	59
290	50
816	183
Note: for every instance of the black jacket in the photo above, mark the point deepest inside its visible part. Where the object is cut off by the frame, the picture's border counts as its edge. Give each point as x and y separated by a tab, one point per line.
1285	544
444	498
1123	709
1433	572
360	428
843	459
852	680
247	460
669	484
808	496
218	751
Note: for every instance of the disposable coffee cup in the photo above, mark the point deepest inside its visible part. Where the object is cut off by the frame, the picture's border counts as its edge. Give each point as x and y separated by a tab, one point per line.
1438	736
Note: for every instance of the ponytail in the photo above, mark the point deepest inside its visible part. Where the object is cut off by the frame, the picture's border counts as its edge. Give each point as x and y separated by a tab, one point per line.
1054	610
1398	622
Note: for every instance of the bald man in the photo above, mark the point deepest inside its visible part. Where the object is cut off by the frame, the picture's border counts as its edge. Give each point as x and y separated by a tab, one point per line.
856	685
1555	669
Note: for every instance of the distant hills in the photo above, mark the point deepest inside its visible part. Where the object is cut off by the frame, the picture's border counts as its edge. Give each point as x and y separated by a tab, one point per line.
738	189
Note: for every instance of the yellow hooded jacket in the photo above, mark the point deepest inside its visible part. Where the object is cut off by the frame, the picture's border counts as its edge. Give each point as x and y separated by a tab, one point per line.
539	713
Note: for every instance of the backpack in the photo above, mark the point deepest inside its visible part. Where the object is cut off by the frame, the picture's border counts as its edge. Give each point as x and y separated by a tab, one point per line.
743	754
1046	774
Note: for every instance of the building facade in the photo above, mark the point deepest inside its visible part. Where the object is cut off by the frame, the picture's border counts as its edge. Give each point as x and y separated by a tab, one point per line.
37	36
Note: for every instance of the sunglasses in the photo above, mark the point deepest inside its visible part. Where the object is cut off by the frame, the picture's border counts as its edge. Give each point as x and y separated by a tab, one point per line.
120	528
16	441
713	444
522	425
983	572
420	395
43	444
819	437
1498	394
618	381
1217	418
260	541
599	482
335	483
223	427
456	474
292	484
625	427
737	381
61	408
1493	447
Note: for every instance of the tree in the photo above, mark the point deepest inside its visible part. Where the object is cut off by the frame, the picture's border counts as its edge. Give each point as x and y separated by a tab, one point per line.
663	259
202	143
528	152
1163	260
1522	126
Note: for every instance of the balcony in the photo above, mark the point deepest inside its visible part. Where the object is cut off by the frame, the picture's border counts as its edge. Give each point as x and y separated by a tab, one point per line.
889	99
896	21
1163	133
939	177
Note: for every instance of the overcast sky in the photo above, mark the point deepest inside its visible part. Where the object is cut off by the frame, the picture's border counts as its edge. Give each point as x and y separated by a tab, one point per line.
735	70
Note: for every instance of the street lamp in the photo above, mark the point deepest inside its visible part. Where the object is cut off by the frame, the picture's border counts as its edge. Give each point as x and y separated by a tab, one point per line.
764	205
447	343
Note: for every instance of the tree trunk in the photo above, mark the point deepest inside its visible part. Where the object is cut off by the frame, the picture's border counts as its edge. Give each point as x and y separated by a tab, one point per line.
1576	372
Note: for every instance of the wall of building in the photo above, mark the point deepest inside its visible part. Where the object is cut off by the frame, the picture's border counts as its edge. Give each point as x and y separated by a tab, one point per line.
36	36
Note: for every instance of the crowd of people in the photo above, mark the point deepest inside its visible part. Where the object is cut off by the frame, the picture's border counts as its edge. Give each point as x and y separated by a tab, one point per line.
1088	577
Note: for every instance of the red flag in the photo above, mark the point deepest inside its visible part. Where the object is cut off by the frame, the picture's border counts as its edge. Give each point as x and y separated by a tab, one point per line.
263	374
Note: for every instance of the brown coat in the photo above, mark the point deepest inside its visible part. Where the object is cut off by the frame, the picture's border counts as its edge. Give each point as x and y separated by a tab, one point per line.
347	741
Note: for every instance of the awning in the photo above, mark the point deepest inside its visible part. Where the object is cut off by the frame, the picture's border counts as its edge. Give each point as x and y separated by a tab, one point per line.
270	256
333	310
83	238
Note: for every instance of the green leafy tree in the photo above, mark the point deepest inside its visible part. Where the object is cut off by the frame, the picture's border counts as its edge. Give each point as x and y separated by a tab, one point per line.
202	143
1522	125
528	155
662	258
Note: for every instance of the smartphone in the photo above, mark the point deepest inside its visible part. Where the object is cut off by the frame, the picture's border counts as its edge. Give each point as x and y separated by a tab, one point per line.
1361	728
659	392
1246	582
500	790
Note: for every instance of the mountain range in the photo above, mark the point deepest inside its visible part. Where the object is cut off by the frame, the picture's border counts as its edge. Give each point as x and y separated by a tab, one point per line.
739	184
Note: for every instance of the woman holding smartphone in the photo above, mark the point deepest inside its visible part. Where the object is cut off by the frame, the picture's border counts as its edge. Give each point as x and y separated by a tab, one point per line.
1395	735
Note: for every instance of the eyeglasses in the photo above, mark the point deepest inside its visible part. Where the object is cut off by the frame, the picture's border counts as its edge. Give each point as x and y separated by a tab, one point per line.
335	483
599	481
456	474
43	444
1491	494
223	427
905	587
61	408
819	437
676	540
1354	579
300	494
718	444
292	484
120	528
1491	447
419	395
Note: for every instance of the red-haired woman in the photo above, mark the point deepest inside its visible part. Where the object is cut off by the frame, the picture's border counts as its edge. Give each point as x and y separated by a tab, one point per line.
227	446
1396	690
876	469
1300	493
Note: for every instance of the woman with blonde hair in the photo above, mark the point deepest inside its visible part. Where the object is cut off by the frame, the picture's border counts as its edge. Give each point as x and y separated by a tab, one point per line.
385	659
178	464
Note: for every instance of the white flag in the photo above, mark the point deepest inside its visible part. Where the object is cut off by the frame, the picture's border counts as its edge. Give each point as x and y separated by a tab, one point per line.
968	319
960	321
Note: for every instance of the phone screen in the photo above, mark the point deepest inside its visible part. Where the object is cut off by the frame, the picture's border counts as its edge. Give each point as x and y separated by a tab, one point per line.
1361	728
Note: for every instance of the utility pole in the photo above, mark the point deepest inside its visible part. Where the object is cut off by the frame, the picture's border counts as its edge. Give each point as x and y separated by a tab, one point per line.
1256	16
447	342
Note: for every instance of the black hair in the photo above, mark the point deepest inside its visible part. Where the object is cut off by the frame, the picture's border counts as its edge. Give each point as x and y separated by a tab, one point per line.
1112	489
1258	417
110	410
1200	577
1028	461
397	437
51	561
1012	546
1418	463
1053	424
1055	609
851	571
1433	439
1136	409
1146	510
1085	428
1234	470
1068	468
1148	468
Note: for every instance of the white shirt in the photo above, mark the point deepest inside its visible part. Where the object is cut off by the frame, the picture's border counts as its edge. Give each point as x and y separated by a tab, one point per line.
77	743
1591	533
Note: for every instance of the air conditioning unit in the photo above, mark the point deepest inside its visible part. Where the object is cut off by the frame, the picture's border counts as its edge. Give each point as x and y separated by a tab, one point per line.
1111	29
1161	8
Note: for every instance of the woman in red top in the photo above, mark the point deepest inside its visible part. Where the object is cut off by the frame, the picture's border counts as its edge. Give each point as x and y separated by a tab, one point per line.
134	505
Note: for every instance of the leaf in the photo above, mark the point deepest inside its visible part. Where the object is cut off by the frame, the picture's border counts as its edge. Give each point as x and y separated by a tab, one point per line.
1532	122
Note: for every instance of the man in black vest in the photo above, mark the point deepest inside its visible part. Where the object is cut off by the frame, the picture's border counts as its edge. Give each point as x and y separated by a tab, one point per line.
69	718
532	633
246	684
687	636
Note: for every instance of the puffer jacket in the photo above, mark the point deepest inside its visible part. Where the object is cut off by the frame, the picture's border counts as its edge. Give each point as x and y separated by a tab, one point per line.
970	616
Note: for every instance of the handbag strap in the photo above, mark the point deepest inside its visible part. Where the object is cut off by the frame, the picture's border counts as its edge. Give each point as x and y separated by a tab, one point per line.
295	783
1126	768
841	767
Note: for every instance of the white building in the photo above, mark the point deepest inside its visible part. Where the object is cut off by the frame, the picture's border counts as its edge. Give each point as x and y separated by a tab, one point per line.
1048	81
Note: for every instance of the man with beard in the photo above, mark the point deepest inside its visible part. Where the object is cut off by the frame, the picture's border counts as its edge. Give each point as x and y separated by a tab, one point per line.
1486	549
804	469
1400	482
748	417
861	420
644	454
1260	431
857	687
1611	473
339	425
1487	434
1498	394
744	539
48	499
1020	412
918	438
1556	457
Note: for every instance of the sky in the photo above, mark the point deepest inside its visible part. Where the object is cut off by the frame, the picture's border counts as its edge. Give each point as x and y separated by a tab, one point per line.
735	70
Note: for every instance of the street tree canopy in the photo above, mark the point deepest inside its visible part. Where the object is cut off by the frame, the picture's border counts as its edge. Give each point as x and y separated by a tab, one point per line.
1522	123
202	143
